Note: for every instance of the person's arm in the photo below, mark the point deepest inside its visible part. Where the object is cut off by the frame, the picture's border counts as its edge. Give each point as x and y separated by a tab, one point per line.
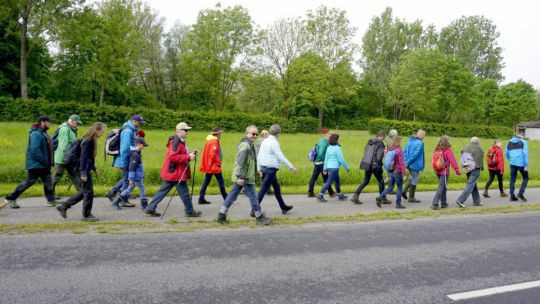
326	159
133	163
277	151
125	141
500	160
35	147
450	158
83	161
63	140
342	159
526	154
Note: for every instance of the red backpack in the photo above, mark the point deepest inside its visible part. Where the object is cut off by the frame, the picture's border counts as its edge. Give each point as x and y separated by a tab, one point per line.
492	160
437	160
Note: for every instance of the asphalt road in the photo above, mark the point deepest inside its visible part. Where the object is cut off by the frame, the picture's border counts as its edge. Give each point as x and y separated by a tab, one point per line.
419	261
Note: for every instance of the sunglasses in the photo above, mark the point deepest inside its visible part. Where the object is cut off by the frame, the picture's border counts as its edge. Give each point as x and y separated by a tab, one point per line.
185	130
255	134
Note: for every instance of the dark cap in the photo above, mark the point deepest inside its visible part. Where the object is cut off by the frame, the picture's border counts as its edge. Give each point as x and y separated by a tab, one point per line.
216	130
43	118
140	140
138	118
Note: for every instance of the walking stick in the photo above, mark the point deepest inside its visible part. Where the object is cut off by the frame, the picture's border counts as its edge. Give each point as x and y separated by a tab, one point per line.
175	189
193	178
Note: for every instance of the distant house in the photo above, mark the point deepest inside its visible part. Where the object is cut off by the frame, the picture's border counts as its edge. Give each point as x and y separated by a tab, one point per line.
531	128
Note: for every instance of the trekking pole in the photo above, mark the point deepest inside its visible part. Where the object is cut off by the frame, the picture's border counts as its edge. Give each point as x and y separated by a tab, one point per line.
193	178
175	189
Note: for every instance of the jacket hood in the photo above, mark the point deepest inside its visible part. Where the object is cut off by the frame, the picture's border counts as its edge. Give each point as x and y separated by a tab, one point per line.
211	137
516	139
414	137
35	127
129	124
373	141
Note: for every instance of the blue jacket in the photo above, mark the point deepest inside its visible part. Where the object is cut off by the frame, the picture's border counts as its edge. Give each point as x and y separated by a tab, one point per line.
334	158
39	151
136	172
517	152
127	140
414	154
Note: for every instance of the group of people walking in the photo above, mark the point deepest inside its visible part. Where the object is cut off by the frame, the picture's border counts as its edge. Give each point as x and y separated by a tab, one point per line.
254	159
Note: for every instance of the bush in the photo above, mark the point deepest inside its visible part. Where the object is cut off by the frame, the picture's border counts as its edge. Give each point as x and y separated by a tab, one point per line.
28	110
437	129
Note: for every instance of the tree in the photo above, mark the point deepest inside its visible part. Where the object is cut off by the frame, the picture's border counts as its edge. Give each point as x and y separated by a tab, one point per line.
174	48
473	40
515	102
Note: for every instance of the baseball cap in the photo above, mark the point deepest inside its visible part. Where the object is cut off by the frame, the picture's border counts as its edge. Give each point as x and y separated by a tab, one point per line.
182	126
76	118
138	118
140	140
43	118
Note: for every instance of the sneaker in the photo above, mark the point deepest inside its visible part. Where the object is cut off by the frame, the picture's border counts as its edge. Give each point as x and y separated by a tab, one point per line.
434	207
62	211
194	213
460	204
144	203
152	213
111	196
311	194
287	209
263	220
378	201
404	195
204	202
90	218
504	194
252	213
13	204
513	198
222	218
413	200
386	201
332	194
127	204
521	197
342	197
116	206
400	206
444	206
478	204
321	198
356	200
51	204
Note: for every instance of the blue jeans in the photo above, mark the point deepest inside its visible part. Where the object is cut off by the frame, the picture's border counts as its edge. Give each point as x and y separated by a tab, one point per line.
122	184
206	182
318	170
471	188
142	190
249	190
395	179
270	179
333	177
440	195
183	191
414	177
513	176
378	172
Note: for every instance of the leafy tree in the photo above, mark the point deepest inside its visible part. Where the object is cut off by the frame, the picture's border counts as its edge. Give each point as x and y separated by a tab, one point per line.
515	102
260	93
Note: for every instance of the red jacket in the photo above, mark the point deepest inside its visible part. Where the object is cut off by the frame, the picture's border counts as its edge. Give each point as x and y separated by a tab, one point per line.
399	161
211	161
176	160
500	159
450	160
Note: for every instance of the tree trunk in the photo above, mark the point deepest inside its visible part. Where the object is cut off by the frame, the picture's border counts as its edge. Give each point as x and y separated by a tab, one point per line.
24	56
321	114
101	94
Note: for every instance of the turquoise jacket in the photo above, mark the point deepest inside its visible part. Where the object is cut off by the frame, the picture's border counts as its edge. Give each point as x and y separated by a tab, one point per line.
334	158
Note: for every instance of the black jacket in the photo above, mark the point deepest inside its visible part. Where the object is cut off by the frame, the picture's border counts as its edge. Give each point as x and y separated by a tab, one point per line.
373	154
87	161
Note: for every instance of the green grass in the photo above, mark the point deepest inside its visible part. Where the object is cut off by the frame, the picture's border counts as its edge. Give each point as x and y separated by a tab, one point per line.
14	138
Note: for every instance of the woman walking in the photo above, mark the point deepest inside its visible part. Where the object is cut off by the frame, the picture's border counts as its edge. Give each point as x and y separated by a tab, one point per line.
442	159
86	166
332	162
495	162
397	170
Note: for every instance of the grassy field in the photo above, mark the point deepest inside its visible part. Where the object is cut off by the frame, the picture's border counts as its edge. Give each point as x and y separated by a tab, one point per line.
14	138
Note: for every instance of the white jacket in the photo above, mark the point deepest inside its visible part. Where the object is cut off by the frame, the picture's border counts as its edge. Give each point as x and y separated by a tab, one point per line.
270	155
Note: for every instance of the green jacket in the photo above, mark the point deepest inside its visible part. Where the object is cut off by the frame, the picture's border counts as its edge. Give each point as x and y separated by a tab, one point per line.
322	145
245	166
66	136
477	154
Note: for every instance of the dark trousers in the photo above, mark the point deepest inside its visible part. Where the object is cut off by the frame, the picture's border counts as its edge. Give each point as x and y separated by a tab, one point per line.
513	176
32	176
378	172
86	194
318	170
206	182
492	174
182	189
72	172
270	179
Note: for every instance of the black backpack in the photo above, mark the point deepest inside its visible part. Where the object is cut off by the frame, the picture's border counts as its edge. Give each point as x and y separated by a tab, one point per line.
112	143
72	155
54	138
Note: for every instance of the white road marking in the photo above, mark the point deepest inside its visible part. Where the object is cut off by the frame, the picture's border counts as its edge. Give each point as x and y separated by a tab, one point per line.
492	291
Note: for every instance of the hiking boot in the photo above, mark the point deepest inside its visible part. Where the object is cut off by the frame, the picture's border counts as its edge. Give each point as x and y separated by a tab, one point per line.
13	204
342	197
62	211
194	213
287	209
321	198
386	201
90	218
513	198
479	204
404	195
126	203
203	201
521	197
460	204
57	197
332	194
111	196
356	200
144	203
444	206
51	204
400	206
434	207
252	213
152	213
378	201
222	218
263	220
412	194
486	194
116	205
311	194
503	194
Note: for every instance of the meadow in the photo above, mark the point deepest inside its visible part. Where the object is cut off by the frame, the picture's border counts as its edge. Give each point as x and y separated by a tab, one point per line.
14	139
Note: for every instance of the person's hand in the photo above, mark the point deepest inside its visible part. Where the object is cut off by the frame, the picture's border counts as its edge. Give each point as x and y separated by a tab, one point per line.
131	182
260	173
240	181
526	169
325	172
192	156
84	178
294	170
195	151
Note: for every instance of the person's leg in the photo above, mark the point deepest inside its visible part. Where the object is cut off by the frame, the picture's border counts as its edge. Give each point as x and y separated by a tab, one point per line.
500	181
118	186
183	190
513	177
399	182
378	172
142	189
206	182
468	188
331	178
444	202
77	197
231	198
46	178
75	177
221	183
249	190
314	176
439	191
277	193
412	187
57	173
492	174
88	197
337	182
407	184
525	176
31	178
367	178
475	193
268	179
124	195
390	187
166	186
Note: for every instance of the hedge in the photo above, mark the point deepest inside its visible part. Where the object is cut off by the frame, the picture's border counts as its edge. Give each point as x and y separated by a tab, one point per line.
29	109
437	129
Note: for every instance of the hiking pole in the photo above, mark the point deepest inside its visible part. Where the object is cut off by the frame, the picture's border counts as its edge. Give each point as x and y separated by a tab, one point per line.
193	178
175	189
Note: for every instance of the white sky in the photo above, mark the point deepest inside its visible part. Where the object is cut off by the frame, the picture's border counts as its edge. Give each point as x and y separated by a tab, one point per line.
517	21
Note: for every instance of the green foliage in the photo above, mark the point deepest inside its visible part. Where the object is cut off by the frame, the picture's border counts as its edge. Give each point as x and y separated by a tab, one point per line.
514	103
436	129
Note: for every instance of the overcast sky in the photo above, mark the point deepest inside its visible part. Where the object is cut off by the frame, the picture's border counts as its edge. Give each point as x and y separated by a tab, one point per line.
517	21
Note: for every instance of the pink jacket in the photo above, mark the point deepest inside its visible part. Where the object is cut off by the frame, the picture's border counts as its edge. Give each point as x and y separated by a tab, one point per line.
399	161
448	156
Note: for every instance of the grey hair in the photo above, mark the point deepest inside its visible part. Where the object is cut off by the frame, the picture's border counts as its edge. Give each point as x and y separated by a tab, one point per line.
275	130
421	131
251	127
392	133
475	139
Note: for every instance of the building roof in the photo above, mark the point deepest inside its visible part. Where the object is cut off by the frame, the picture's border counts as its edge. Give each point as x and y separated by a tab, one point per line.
529	124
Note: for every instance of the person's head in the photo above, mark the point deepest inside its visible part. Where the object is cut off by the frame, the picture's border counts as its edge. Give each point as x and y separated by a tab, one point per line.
381	134
44	122
333	140
275	130
95	131
74	120
396	142
137	120
264	134
421	134
217	131
140	143
497	143
520	134
475	140
444	142
327	135
392	133
182	129
252	132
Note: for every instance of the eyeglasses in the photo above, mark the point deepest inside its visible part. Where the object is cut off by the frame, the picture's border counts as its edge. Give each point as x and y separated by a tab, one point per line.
255	134
185	130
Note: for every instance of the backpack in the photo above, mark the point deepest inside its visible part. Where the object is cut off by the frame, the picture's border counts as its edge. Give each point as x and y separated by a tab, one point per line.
388	163
73	153
467	162
54	138
313	154
112	142
492	158
437	160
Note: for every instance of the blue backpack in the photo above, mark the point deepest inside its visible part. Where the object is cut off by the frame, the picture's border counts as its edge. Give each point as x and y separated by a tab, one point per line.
313	154
388	162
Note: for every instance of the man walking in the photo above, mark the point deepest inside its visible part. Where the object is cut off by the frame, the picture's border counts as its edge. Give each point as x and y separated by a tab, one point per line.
372	164
39	160
244	175
517	152
127	143
318	165
67	133
472	158
212	156
176	172
414	158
